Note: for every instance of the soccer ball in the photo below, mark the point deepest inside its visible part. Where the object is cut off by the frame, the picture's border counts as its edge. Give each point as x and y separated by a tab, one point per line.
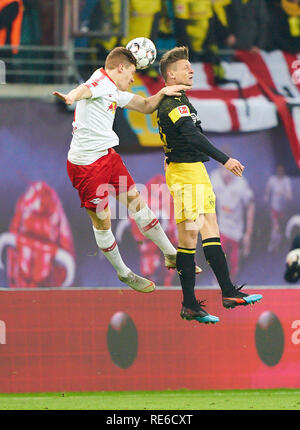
144	51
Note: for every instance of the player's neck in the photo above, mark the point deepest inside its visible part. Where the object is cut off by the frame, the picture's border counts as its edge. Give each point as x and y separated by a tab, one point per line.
113	75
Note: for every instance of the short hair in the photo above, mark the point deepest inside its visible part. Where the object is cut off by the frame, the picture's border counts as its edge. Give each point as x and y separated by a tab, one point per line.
119	55
171	57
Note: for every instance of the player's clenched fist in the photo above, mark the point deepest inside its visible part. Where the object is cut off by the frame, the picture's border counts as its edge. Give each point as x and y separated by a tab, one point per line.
234	166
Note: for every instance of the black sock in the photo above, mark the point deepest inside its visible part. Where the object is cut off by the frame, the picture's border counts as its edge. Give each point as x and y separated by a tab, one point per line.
185	265
216	259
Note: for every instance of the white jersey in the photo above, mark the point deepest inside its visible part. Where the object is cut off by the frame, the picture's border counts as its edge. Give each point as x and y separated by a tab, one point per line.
280	190
93	119
231	201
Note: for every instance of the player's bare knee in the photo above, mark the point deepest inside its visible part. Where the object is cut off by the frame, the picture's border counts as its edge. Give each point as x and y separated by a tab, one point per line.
200	222
188	241
188	234
102	224
209	226
101	220
135	202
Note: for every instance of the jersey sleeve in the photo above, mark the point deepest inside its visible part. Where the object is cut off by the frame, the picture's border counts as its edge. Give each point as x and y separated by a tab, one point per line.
124	98
178	112
97	86
180	116
193	135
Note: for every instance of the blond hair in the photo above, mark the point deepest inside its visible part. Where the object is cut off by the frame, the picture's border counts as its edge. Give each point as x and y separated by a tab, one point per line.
171	57
119	55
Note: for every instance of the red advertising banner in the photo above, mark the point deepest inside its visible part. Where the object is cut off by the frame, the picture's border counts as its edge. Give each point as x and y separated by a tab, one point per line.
95	339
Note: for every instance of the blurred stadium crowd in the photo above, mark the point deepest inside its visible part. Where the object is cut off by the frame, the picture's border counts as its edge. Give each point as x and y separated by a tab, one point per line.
205	26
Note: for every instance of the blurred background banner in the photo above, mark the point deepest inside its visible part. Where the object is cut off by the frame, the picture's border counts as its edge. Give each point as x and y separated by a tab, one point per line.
98	340
34	140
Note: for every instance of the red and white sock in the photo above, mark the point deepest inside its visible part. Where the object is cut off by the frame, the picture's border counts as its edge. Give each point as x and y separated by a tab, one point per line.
108	245
151	228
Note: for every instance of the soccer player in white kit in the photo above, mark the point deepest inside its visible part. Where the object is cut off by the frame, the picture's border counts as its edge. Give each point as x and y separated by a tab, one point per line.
235	202
95	168
278	193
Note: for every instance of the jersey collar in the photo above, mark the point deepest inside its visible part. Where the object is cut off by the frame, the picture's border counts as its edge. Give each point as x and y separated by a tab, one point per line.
104	73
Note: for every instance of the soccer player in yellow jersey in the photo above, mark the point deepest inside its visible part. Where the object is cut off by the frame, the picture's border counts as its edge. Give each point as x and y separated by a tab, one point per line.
187	149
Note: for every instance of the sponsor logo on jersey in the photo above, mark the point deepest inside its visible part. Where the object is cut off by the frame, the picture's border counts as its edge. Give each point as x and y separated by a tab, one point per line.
179	112
195	117
183	110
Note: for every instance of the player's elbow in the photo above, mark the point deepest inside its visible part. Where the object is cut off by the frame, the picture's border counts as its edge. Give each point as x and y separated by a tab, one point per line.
147	108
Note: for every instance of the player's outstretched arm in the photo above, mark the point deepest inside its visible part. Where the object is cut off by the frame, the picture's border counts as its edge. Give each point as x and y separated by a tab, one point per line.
79	93
150	104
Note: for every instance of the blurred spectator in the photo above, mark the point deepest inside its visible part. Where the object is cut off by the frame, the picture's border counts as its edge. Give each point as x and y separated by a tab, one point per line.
105	17
242	24
223	24
278	192
11	15
36	30
166	34
192	20
143	20
85	10
31	27
47	20
235	204
285	25
144	16
194	28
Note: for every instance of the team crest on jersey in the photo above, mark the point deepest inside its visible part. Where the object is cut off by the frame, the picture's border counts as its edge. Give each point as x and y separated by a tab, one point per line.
211	201
112	107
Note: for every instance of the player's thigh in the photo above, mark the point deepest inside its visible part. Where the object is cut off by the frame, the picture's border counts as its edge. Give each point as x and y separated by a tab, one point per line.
100	220
191	189
92	183
121	179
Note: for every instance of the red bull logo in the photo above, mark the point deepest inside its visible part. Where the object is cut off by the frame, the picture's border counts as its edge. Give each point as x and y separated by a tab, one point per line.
40	250
112	107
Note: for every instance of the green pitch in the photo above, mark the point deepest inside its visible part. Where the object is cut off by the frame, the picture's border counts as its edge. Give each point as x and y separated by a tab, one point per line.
283	399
